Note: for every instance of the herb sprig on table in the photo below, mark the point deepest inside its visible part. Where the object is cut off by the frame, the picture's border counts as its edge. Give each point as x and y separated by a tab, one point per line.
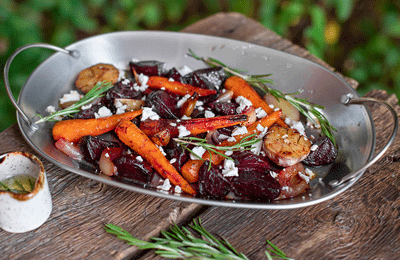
308	109
97	91
181	243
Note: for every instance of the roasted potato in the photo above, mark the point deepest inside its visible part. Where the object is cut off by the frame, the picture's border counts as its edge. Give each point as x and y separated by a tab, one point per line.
88	78
285	146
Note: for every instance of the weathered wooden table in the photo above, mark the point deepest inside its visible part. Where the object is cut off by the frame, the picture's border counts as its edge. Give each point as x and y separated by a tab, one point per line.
361	223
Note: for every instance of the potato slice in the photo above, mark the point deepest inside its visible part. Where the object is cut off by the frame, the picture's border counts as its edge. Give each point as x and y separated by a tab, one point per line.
285	146
288	110
88	78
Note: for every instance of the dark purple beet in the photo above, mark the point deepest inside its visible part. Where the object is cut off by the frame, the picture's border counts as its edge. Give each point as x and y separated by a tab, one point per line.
197	80
212	184
87	113
223	108
92	147
174	74
131	168
246	161
175	151
326	153
120	90
149	68
214	76
164	104
256	186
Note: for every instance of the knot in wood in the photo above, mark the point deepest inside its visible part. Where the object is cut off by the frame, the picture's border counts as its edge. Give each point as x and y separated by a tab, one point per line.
89	187
344	220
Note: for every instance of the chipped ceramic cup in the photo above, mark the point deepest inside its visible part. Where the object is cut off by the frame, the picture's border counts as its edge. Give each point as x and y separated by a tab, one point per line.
22	212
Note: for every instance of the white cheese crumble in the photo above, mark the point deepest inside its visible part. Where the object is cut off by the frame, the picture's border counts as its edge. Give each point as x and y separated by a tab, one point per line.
143	83
273	174
230	169
139	158
223	137
209	114
243	103
183	131
172	124
313	147
228	153
161	150
51	110
178	189
72	96
173	160
184	70
103	112
256	148
260	113
148	113
184	117
165	186
86	107
171	79
240	131
182	101
199	151
307	176
297	125
231	139
120	107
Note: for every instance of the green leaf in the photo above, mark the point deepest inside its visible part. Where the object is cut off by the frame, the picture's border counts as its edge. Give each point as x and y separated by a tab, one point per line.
391	24
42	4
268	13
245	7
344	9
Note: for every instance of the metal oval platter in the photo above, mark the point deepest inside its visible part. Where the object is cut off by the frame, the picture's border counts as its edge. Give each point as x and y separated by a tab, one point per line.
355	134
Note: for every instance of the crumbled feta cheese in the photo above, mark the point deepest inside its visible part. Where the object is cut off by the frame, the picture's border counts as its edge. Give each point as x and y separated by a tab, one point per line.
107	155
228	153
183	131
50	109
243	103
199	151
121	74
285	136
184	70
143	83
178	189
172	124
231	139
314	147
182	101
230	169
73	95
297	125
260	113
148	113
135	60
200	108
86	107
271	106
103	112
273	174
171	79
286	188
165	186
256	148
240	131
308	175
173	160
161	150
199	103
162	88
260	128
209	114
223	137
184	117
120	107
139	158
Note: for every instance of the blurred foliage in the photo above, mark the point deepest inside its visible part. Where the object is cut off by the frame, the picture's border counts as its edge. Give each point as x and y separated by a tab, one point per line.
360	38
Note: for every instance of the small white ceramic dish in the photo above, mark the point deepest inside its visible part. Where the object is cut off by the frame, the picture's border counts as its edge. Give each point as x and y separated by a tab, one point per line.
22	212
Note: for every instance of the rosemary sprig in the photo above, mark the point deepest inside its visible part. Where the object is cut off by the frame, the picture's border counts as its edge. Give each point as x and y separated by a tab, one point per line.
245	144
181	243
308	109
95	92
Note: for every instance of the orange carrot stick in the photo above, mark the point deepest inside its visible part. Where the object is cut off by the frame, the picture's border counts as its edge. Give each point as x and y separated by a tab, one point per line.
177	87
72	130
195	126
241	88
131	135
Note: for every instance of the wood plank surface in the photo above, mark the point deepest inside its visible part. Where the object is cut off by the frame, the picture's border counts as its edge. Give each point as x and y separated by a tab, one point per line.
361	223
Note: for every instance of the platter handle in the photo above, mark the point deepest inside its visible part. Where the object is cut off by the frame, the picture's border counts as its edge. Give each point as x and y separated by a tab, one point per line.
350	99
72	53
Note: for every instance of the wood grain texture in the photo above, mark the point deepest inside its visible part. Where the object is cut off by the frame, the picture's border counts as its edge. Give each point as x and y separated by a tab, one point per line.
81	208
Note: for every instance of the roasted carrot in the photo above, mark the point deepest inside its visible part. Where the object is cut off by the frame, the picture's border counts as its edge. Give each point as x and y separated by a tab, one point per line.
72	130
195	126
241	88
177	87
131	135
190	170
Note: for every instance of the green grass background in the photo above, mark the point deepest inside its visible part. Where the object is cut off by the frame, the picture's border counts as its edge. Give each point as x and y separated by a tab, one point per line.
360	38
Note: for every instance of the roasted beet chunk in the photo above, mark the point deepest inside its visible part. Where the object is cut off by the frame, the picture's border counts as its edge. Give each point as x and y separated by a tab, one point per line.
164	104
246	161
88	113
212	184
173	74
215	76
223	108
148	68
256	186
176	154
121	89
134	168
325	153
92	147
